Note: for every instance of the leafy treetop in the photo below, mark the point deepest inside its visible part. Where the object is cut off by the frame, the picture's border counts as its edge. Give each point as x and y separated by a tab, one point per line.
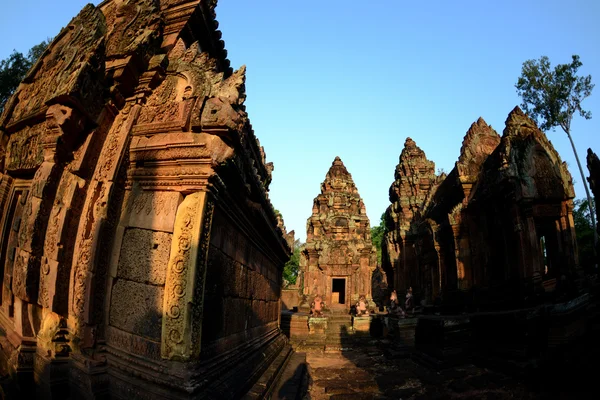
552	97
14	68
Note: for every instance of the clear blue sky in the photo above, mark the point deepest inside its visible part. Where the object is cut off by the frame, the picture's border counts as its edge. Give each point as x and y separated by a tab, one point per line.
354	79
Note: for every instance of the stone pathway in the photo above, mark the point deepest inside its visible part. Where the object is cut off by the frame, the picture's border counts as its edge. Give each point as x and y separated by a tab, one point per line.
366	373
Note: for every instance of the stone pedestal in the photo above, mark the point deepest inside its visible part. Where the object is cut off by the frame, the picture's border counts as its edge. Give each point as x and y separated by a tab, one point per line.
294	325
406	331
442	341
361	325
290	298
317	325
401	329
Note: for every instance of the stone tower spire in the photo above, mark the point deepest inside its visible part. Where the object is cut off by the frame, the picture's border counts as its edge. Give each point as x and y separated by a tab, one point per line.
338	258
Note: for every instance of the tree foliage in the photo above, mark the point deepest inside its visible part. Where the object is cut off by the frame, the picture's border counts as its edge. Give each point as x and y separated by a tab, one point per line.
377	233
553	96
14	68
291	268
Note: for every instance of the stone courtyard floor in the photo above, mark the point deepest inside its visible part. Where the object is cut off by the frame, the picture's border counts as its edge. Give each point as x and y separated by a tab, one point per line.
367	374
370	372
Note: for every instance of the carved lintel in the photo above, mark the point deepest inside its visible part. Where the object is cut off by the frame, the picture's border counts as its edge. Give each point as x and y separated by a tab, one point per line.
181	162
184	288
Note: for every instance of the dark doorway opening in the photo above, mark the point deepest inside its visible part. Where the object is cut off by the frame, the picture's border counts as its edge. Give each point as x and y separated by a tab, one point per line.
338	291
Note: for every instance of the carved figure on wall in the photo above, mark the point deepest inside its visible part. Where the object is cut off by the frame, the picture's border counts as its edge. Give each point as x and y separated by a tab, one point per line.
395	308
317	306
409	303
362	307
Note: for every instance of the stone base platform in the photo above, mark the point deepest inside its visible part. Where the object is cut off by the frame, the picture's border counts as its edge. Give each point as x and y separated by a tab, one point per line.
362	325
520	340
335	331
401	330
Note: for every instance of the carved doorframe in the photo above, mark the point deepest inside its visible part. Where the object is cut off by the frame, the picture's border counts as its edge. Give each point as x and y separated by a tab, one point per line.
346	290
12	187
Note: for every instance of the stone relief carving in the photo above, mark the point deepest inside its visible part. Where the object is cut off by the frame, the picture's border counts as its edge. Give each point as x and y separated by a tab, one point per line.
70	63
186	254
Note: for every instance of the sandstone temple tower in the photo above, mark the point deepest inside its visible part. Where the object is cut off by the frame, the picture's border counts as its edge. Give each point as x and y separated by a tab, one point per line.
497	231
338	258
414	178
140	255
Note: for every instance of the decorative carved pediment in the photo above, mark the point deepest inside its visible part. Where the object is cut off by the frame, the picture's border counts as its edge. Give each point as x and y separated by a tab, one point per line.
70	71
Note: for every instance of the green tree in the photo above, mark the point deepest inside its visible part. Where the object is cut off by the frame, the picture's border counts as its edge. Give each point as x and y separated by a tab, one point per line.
14	68
291	268
552	97
12	72
584	229
36	51
377	233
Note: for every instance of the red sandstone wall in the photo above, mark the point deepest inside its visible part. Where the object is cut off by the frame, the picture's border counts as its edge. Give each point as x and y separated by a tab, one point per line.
243	287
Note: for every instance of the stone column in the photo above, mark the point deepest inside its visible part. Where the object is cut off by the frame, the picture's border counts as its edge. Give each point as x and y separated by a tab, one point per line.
569	245
532	257
184	290
438	285
462	281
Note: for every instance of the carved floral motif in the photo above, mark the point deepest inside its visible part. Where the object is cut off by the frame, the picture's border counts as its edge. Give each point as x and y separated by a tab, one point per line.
187	260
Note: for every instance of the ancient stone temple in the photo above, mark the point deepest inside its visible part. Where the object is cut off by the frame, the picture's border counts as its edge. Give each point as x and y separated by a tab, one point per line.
499	227
338	258
413	181
140	254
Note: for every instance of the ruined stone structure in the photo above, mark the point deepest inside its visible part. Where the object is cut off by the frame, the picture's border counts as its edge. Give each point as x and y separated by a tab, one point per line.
140	254
338	258
414	179
499	226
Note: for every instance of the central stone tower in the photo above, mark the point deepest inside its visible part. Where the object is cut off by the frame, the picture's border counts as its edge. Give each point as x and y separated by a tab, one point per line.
338	258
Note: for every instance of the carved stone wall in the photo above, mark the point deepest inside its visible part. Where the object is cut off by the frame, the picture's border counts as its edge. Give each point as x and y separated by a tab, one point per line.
498	230
138	241
338	243
414	179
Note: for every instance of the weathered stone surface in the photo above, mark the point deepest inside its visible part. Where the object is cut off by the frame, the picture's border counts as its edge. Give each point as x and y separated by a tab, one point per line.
478	232
154	210
479	142
118	148
74	60
317	325
338	244
144	256
414	179
143	314
361	324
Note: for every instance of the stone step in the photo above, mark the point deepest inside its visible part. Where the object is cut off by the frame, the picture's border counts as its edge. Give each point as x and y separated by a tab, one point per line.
270	377
292	384
339	327
340	317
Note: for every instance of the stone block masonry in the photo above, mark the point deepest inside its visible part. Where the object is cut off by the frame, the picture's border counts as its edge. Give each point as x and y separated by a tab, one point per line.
141	256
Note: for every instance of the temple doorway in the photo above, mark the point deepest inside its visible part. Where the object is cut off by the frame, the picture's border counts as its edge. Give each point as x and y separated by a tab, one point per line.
338	291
